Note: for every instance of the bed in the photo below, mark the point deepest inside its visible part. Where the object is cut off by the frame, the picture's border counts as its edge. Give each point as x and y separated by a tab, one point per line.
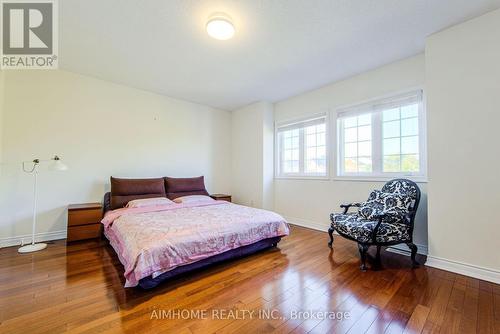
159	242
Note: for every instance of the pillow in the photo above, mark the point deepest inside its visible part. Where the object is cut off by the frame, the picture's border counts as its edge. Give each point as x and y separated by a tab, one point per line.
369	212
142	203
178	187
193	199
126	190
379	203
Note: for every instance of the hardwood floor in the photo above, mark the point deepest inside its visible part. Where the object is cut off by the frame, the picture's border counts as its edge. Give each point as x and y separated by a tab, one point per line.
79	288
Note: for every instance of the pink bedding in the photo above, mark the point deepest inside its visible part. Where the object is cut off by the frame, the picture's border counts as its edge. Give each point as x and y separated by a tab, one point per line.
153	240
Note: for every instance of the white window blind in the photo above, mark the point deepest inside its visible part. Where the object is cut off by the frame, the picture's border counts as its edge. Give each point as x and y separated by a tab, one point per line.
398	101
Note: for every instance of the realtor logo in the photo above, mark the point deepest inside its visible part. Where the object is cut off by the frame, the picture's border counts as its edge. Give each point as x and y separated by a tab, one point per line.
29	34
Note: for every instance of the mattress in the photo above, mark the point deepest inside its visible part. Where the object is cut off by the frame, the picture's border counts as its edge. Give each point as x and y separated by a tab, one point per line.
154	240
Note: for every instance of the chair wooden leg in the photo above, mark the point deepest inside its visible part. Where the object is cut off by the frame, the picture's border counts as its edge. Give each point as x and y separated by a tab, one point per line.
378	262
330	233
362	252
414	250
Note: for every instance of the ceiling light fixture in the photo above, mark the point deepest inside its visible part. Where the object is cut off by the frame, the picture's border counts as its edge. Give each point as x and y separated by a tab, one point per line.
219	26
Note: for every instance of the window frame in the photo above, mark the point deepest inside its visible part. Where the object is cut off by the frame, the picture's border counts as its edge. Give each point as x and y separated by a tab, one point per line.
377	173
278	153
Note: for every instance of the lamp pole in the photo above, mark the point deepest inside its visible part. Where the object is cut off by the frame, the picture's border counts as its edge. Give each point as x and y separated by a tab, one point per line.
33	247
56	165
35	175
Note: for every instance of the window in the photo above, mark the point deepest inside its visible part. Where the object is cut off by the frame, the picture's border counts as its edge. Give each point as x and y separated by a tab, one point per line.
385	138
358	144
302	148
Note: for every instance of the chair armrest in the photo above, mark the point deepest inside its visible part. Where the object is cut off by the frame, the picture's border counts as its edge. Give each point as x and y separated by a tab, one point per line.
375	230
347	206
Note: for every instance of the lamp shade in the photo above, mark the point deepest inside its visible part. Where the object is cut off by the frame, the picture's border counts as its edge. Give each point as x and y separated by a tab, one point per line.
57	165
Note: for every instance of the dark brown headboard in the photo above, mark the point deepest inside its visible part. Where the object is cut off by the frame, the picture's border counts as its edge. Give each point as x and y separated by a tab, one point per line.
125	190
178	187
106	205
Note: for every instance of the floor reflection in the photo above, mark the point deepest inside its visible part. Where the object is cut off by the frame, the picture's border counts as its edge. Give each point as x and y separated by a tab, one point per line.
79	287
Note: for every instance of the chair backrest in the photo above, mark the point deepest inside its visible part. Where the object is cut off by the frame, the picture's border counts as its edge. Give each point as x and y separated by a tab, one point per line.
404	186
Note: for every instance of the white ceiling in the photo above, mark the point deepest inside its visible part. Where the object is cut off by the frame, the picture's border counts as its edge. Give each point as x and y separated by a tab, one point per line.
281	47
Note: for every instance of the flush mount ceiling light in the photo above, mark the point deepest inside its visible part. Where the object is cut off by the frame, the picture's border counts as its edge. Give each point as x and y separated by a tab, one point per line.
219	26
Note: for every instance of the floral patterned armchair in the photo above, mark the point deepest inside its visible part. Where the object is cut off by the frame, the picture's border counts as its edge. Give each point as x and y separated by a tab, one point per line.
386	218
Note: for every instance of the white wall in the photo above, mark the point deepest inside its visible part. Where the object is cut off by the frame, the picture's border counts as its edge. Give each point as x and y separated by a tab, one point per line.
99	129
268	156
310	202
463	92
1	117
252	153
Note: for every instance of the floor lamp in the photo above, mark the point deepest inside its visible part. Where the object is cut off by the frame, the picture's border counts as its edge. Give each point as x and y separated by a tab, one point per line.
56	165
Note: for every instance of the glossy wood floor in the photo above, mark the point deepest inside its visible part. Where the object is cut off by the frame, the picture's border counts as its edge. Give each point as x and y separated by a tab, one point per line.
79	288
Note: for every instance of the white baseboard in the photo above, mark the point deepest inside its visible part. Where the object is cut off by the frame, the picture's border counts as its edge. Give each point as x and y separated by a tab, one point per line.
400	249
466	269
39	237
306	223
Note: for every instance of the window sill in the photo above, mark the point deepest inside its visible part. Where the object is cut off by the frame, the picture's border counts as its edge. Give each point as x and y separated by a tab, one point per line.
416	179
315	178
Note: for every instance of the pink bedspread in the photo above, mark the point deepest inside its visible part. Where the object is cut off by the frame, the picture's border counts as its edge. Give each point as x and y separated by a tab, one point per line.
153	240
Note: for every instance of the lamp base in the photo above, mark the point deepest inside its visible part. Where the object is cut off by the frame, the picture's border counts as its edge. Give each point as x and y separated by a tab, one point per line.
32	248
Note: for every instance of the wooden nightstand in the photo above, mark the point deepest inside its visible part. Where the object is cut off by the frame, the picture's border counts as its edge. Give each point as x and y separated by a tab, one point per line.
221	197
84	221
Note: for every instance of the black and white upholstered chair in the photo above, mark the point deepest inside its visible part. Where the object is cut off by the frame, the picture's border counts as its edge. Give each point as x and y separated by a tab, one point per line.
386	218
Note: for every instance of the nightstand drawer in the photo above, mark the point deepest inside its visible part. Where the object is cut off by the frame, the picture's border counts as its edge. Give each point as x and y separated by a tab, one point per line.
84	217
221	197
84	232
